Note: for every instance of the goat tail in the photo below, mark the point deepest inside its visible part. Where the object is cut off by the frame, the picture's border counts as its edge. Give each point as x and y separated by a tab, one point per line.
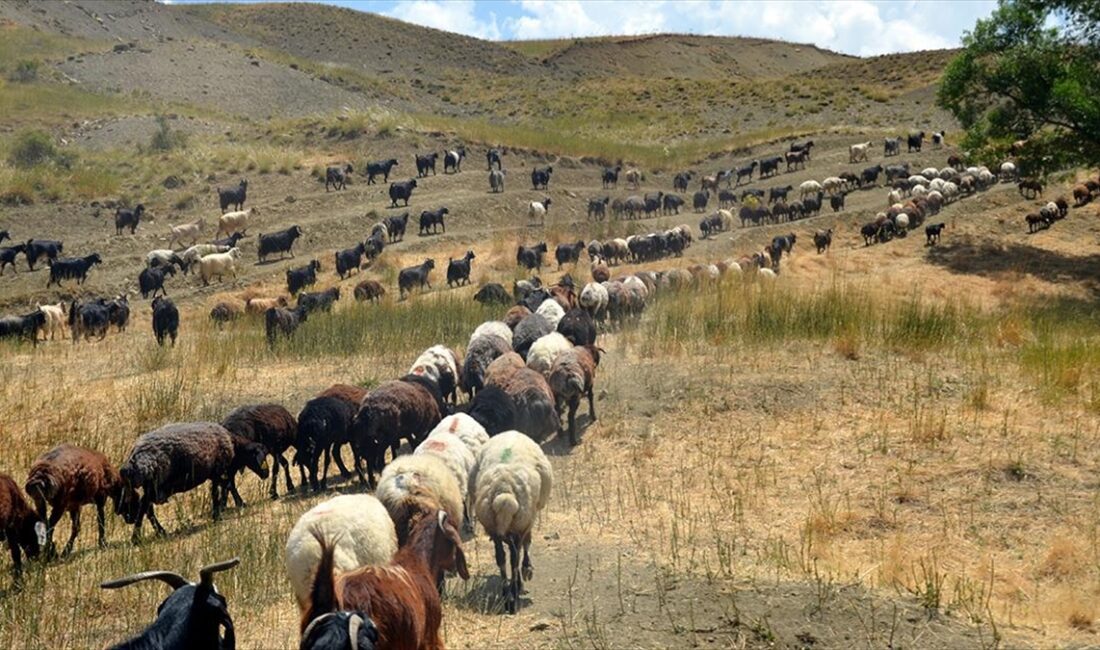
322	593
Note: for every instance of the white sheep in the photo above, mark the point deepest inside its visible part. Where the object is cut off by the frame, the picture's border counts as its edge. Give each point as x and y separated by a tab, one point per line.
187	232
544	350
55	319
492	328
192	255
808	187
986	178
950	191
947	173
413	484
441	364
917	179
930	172
858	152
514	480
468	430
766	274
730	265
551	311
726	218
232	222
902	222
593	299
919	191
893	197
219	264
357	524
456	456
832	185
161	256
635	283
936	184
1008	171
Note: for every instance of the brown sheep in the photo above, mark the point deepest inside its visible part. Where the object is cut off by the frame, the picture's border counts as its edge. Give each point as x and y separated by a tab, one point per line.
534	400
66	478
565	296
1081	195
23	530
369	290
502	368
572	376
272	426
600	272
392	411
354	396
260	306
514	315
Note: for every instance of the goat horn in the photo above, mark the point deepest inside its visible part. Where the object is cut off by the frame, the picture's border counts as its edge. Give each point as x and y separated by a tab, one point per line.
206	574
442	518
354	623
174	580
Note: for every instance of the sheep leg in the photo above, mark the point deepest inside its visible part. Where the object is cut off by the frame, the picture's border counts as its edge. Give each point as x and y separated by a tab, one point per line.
55	517
232	489
528	569
279	460
573	403
517	577
357	461
74	518
214	499
101	520
338	458
498	549
324	468
12	536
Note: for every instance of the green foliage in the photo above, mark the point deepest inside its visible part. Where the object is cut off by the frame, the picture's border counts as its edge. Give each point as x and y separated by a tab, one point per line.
32	148
165	139
1018	79
25	71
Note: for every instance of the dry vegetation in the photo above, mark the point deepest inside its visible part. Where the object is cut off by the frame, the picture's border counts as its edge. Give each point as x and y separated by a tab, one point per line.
892	446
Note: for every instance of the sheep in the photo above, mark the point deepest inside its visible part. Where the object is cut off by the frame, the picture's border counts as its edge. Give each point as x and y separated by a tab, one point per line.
414	276
55	319
191	256
72	268
23	529
496	181
369	290
858	152
337	177
402	597
392	411
481	351
37	248
492	293
235	222
542	353
218	264
165	257
441	364
186	232
1009	172
808	188
170	460
380	167
234	196
401	191
456	457
552	312
534	403
192	616
8	255
272	427
414	484
452	160
127	218
578	326
492	328
301	277
515	315
361	531
529	330
1030	188
261	305
278	242
570	377
540	177
66	478
324	425
466	428
224	312
514	481
536	210
279	320
319	300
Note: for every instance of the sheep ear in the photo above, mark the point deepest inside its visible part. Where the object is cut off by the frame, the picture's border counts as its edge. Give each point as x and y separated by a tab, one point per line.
40	532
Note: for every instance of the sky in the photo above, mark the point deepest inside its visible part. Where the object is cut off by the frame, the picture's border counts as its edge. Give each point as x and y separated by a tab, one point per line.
860	27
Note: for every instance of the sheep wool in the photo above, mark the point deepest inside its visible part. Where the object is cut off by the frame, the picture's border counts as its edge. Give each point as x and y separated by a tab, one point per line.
514	479
414	484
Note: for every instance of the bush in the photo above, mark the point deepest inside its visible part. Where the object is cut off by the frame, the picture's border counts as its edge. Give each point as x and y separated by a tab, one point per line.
25	71
165	139
32	148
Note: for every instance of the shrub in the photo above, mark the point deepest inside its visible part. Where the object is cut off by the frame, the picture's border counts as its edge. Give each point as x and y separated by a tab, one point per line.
165	139
25	71
32	148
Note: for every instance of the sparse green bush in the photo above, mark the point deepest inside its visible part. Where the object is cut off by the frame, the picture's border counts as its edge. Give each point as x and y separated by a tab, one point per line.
165	138
32	148
25	71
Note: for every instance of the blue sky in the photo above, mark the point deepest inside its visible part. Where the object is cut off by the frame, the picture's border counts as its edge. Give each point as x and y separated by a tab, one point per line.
862	27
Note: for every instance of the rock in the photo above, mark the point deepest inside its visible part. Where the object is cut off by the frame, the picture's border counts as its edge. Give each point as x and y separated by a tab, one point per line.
541	625
290	198
172	182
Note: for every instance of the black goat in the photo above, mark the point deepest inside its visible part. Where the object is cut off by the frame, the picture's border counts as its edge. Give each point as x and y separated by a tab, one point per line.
127	218
27	325
4	234
680	181
318	300
870	175
598	207
700	199
836	202
891	146
382	167
233	196
192	616
778	193
932	232
431	219
458	271
302	277
396	226
230	241
530	257
452	160
425	163
278	242
279	320
671	204
747	170
770	166
337	177
166	320
402	191
914	141
610	176
540	177
37	248
118	312
823	239
414	276
492	157
72	268
568	253
7	256
348	260
151	280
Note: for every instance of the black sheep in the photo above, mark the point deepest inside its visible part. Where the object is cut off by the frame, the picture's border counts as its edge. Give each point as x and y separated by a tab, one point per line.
324	421
233	196
302	277
700	199
73	268
127	218
431	219
598	207
458	271
151	279
414	276
337	177
349	260
493	294
278	242
166	320
836	201
382	167
401	191
578	326
271	426
493	409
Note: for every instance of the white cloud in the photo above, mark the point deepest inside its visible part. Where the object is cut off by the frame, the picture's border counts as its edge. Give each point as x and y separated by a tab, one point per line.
452	15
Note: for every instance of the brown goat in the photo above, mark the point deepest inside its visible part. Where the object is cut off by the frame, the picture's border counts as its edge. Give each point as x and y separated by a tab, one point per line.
272	426
402	598
18	524
66	478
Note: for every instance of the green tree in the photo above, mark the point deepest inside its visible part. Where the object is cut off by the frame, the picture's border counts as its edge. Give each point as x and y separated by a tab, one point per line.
1030	72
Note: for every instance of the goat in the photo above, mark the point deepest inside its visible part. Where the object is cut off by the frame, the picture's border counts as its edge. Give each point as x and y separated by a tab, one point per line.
337	177
414	276
458	271
127	218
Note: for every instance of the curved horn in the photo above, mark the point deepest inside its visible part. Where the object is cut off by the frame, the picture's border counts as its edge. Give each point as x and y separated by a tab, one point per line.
206	574
354	623
442	518
173	580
